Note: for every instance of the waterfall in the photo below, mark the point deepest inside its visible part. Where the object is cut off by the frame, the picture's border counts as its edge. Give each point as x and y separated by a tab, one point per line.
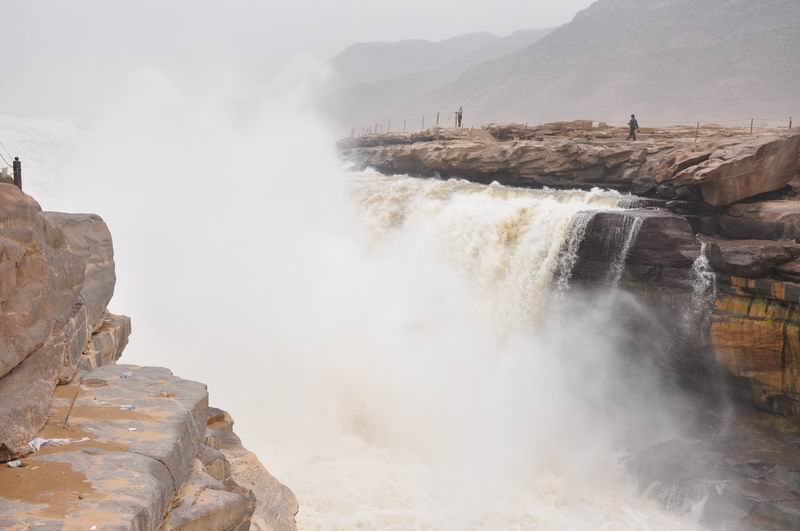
621	244
516	245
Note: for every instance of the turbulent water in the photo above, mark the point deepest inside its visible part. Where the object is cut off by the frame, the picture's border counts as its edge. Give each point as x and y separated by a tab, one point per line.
407	356
514	245
468	408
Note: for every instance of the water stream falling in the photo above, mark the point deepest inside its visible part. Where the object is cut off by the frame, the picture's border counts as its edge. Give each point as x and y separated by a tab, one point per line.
468	397
515	245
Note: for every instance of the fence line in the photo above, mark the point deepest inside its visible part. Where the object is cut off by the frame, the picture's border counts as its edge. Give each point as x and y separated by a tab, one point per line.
448	120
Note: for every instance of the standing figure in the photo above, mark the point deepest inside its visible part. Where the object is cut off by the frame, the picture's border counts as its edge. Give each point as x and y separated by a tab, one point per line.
634	125
459	116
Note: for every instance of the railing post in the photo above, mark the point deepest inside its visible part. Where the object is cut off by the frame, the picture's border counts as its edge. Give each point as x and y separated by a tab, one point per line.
437	117
751	125
17	173
790	122
404	126
697	133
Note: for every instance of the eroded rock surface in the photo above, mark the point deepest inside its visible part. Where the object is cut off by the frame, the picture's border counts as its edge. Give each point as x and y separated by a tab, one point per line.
140	461
56	279
719	165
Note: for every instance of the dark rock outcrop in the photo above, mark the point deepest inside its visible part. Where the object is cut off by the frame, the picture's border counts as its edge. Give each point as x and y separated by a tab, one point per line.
763	220
750	258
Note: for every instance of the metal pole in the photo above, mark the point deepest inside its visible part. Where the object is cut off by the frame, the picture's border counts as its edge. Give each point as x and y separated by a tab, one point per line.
751	125
697	133
790	122
437	117
423	124
404	126
470	133
17	173
526	130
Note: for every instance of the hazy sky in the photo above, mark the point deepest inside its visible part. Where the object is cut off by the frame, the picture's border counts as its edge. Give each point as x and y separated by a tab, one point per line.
55	51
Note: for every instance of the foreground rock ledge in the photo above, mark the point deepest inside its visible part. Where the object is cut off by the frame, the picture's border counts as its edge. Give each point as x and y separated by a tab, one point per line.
142	468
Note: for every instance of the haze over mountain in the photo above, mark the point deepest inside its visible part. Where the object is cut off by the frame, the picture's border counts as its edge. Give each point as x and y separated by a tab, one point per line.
666	60
369	78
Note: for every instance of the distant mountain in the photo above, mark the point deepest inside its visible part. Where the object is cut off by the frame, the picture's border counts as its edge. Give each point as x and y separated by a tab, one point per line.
370	80
666	60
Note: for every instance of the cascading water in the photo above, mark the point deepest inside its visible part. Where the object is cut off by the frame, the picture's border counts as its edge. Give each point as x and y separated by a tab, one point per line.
517	245
620	243
461	401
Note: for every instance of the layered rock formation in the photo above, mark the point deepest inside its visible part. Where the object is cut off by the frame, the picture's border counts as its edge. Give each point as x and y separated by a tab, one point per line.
57	279
722	165
722	190
143	449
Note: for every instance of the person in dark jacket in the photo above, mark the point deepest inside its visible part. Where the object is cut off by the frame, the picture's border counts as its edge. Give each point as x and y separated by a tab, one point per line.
634	125
459	116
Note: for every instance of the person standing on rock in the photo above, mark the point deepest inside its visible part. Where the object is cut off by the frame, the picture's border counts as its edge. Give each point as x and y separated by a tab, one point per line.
459	116
634	125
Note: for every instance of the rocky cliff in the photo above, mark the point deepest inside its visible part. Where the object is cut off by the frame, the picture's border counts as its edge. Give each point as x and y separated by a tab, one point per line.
88	443
727	191
705	239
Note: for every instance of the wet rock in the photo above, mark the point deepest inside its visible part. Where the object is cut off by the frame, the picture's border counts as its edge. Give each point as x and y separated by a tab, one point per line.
759	339
661	248
790	271
724	481
749	258
764	220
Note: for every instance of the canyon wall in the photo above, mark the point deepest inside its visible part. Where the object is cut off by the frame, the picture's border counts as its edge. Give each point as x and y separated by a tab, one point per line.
91	444
725	191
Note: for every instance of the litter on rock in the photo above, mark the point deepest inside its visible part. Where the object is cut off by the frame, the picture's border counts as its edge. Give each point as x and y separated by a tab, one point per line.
126	375
131	429
36	444
16	463
127	407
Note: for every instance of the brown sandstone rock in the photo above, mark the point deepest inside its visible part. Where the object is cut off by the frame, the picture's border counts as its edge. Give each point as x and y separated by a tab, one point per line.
749	258
276	505
56	277
765	220
759	339
87	236
40	278
749	168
